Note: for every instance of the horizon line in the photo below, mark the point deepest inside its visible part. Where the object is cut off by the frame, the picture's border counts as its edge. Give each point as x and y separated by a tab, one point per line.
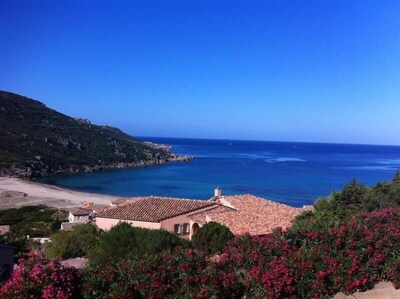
277	141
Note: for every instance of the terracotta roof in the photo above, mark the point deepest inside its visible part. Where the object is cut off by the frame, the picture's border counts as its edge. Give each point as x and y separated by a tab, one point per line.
154	209
253	215
99	208
79	211
201	216
118	201
5	229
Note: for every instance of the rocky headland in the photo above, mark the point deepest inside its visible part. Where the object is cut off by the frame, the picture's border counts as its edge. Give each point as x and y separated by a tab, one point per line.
36	141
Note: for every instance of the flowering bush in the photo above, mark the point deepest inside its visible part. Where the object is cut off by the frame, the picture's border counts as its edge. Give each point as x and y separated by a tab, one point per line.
36	277
308	262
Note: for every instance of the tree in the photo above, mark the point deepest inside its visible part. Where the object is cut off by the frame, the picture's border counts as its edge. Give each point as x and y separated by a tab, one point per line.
212	237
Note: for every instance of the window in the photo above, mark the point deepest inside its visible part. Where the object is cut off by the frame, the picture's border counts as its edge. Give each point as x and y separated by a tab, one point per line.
177	229
186	228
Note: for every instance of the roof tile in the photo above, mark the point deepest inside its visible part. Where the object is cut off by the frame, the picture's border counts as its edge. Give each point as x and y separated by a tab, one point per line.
154	209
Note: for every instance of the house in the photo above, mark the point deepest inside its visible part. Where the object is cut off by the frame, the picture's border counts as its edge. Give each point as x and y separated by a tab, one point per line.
6	261
171	214
5	229
80	215
240	213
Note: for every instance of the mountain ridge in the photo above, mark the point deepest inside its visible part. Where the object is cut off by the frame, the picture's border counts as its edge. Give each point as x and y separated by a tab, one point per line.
38	141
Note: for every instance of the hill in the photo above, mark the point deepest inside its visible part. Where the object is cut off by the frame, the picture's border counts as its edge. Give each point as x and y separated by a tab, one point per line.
38	141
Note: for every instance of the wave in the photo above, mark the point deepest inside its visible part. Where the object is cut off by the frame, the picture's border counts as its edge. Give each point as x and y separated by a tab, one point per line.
284	159
389	161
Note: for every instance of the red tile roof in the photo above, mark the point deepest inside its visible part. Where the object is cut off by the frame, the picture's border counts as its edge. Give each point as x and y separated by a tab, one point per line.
99	208
154	209
79	211
253	215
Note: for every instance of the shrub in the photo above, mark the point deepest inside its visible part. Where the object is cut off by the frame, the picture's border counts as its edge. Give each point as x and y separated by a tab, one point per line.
76	243
123	240
312	261
182	273
42	278
212	237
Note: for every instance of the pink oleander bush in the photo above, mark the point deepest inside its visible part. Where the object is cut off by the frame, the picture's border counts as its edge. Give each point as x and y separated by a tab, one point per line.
37	277
309	261
305	263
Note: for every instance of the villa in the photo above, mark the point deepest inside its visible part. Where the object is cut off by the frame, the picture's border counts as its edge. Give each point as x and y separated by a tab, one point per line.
240	213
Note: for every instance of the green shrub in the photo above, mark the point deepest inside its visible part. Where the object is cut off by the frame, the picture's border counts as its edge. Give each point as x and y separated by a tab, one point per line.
76	243
212	237
124	240
35	221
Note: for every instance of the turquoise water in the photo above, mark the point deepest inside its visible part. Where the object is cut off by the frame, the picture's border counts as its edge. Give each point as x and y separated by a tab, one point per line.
289	172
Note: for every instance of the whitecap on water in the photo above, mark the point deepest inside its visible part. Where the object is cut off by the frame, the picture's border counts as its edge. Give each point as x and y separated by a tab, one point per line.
284	159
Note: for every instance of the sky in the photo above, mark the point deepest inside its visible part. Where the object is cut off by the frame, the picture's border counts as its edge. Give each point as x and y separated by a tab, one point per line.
313	71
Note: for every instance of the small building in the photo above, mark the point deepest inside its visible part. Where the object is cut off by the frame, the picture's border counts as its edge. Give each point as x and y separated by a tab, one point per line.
5	229
80	215
6	261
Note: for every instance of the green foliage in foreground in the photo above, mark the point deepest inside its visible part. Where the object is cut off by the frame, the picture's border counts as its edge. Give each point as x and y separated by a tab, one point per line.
124	240
212	237
76	243
35	221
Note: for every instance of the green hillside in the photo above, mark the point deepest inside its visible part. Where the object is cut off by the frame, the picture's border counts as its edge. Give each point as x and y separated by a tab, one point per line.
37	141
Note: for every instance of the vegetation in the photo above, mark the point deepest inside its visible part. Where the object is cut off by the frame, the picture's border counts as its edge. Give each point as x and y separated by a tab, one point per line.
353	198
354	256
37	141
35	221
212	237
42	278
124	240
77	243
32	221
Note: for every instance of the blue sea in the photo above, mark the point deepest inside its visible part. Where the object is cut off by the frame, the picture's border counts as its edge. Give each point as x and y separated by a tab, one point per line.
293	173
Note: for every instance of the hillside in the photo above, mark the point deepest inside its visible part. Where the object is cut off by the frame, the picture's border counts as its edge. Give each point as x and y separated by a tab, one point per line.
38	141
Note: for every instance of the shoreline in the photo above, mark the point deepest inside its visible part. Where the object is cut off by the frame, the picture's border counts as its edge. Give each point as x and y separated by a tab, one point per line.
32	173
17	192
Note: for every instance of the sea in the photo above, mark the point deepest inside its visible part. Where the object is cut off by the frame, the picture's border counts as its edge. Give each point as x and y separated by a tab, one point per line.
292	173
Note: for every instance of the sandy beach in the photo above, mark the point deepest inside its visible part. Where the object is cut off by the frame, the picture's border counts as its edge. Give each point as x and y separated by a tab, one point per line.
17	192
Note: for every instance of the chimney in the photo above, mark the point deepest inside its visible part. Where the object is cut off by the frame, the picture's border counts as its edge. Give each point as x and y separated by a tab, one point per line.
217	192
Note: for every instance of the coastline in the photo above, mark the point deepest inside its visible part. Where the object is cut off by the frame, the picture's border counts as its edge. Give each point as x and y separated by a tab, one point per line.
38	170
16	192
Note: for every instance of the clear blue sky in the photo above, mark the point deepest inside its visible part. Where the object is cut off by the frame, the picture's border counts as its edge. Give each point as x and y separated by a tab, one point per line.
325	71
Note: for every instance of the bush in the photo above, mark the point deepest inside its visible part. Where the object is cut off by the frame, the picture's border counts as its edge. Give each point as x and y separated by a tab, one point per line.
309	262
42	278
123	240
35	221
76	243
182	273
212	237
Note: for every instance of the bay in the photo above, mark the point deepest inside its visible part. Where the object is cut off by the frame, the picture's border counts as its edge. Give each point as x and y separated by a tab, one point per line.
293	173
